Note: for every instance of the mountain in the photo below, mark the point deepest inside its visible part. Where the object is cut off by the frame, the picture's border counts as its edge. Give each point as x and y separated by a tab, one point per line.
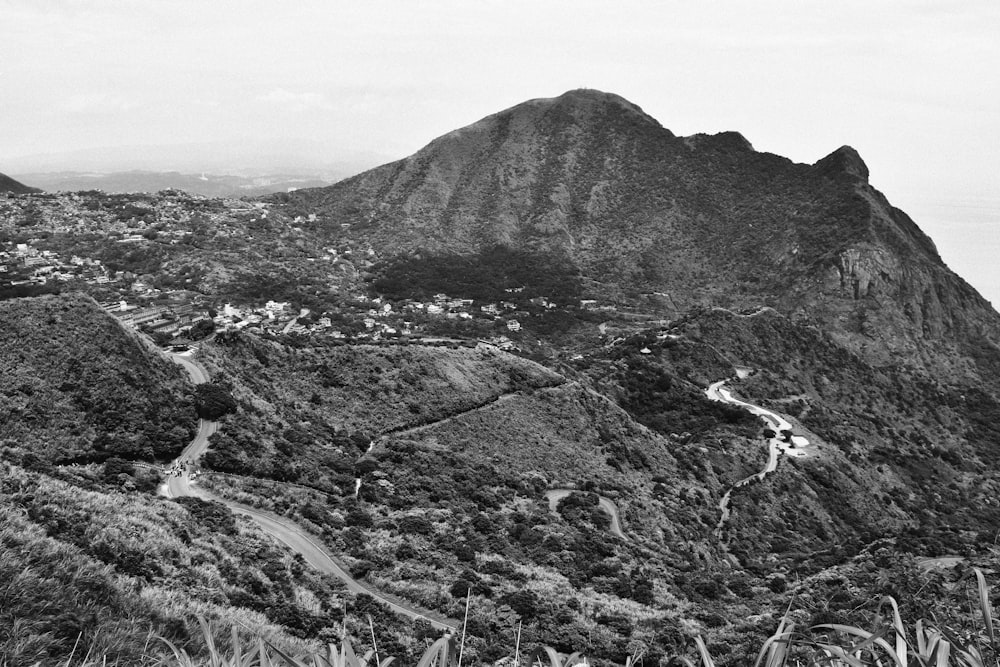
738	385
208	185
589	178
8	184
247	156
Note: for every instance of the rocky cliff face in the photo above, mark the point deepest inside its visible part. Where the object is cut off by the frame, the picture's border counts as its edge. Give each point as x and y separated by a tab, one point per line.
703	219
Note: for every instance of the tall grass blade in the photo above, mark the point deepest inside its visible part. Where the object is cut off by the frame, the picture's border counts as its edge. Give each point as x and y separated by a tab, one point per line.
517	646
864	635
180	655
73	652
897	624
371	627
290	661
774	651
970	658
706	657
465	625
985	606
263	657
237	647
925	639
439	654
939	656
840	654
350	657
214	659
776	646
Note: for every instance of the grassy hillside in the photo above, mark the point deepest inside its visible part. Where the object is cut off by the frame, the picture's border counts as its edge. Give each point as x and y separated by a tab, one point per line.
75	387
896	451
307	413
88	552
84	558
465	444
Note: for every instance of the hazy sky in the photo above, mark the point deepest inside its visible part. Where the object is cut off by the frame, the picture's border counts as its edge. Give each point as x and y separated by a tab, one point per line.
912	85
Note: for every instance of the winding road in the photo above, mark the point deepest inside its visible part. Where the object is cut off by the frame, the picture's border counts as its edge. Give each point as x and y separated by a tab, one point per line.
606	504
179	485
781	441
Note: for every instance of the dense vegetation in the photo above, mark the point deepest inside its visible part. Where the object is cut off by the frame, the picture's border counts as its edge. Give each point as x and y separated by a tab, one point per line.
454	489
432	472
75	386
488	275
307	412
89	558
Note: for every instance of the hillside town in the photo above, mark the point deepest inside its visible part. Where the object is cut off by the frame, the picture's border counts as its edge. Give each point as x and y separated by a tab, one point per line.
38	258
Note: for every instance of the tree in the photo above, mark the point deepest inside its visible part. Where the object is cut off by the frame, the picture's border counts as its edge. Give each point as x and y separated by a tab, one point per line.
202	329
213	401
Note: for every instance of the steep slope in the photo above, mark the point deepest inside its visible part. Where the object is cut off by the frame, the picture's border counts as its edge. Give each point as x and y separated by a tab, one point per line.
590	177
425	469
892	451
76	387
89	555
8	184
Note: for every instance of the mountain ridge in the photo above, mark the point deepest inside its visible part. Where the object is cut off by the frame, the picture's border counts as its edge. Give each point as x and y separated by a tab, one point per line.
591	177
8	184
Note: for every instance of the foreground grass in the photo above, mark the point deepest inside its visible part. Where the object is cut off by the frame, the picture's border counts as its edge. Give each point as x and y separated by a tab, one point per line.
890	643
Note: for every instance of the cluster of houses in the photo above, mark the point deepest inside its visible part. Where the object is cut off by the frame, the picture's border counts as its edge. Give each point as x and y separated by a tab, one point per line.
274	317
171	216
366	318
173	317
22	264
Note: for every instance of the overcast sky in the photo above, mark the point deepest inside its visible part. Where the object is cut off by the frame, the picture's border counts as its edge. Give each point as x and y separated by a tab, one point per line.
912	85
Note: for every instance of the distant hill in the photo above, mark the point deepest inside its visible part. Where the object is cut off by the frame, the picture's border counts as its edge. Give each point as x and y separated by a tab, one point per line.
209	185
589	178
8	184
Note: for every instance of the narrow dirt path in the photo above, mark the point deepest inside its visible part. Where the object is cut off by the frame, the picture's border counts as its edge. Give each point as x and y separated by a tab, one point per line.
499	398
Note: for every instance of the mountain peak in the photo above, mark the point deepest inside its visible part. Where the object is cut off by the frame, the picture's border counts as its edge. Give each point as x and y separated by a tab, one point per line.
586	101
845	161
592	96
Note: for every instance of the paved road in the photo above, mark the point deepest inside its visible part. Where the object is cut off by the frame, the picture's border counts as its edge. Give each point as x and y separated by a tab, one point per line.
285	531
777	444
180	485
317	556
606	504
939	563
